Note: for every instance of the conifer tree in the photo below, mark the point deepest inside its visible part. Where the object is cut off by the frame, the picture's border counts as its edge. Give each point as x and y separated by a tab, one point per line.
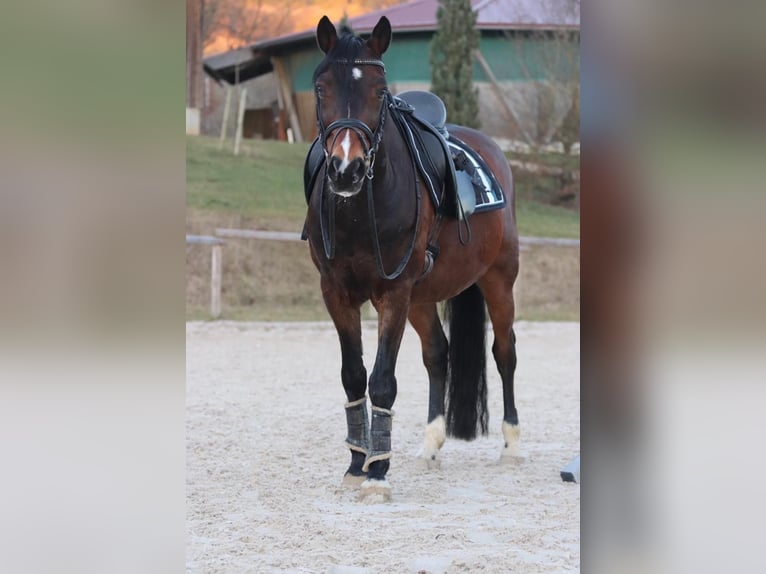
452	61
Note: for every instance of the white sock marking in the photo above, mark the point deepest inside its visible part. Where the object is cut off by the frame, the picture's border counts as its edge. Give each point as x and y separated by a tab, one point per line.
511	436
436	433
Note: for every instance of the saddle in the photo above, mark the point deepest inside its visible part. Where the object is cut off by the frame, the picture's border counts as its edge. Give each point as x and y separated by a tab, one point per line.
458	180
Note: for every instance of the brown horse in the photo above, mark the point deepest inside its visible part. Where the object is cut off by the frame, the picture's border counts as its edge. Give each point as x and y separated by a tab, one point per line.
371	236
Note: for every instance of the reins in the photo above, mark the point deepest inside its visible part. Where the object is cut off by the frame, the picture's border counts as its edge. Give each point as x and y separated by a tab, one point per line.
366	136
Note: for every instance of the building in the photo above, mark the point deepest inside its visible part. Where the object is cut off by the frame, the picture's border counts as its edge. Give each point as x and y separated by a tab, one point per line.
527	68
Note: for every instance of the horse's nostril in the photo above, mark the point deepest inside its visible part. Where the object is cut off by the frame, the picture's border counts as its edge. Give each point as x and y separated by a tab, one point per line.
358	169
334	166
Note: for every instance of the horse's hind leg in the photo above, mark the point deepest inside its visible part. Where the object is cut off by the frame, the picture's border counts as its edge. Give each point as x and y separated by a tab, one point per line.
497	287
347	321
425	319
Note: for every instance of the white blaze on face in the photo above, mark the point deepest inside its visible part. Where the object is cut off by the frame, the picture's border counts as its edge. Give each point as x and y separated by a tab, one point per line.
346	147
356	73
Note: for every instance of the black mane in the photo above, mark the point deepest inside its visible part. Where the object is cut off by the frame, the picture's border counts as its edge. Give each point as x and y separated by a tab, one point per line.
344	29
347	48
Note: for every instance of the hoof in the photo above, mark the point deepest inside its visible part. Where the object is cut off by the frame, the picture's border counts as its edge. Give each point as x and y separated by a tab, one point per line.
353	481
432	462
511	451
375	491
512	456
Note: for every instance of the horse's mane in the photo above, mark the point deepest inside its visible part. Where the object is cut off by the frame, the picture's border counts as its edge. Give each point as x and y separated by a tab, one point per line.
346	48
345	29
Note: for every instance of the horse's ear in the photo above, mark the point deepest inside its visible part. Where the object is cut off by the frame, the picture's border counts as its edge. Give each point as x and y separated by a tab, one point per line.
381	36
327	36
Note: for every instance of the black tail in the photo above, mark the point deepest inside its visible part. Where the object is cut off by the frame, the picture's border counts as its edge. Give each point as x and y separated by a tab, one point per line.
467	376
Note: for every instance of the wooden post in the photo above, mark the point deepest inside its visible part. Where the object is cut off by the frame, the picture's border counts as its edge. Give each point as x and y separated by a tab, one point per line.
194	43
225	122
287	97
500	96
216	269
240	119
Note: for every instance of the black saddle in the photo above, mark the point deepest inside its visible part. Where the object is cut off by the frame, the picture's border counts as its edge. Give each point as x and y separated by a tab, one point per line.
413	113
421	119
428	108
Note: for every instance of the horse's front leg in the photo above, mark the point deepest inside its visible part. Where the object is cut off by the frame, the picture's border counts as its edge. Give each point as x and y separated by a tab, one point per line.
392	310
346	316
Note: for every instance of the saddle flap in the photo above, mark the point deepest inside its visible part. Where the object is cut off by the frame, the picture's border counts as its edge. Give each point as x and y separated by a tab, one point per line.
428	147
314	161
466	194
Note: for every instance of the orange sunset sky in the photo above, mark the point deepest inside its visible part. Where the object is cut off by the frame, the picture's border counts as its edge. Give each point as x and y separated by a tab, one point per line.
302	18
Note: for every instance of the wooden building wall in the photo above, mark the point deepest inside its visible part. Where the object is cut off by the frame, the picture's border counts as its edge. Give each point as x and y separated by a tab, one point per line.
522	63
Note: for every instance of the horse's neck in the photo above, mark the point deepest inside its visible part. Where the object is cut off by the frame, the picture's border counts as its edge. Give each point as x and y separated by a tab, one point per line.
394	169
394	186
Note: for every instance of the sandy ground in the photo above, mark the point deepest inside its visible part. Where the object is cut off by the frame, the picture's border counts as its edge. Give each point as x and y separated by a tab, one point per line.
265	428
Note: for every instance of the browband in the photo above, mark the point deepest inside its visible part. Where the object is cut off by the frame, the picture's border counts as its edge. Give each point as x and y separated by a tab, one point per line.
361	62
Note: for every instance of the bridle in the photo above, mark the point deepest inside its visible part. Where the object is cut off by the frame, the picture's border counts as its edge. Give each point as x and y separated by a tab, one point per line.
370	140
370	143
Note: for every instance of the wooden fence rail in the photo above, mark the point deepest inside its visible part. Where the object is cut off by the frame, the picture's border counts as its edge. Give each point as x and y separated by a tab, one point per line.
259	234
216	252
291	236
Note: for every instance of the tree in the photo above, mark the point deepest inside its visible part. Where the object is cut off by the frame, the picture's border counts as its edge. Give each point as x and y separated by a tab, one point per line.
230	24
552	79
451	60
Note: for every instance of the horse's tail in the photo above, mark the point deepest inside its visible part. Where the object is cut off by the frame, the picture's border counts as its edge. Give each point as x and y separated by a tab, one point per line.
467	375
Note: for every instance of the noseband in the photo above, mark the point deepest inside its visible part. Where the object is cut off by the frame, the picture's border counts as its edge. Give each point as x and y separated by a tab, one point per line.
370	142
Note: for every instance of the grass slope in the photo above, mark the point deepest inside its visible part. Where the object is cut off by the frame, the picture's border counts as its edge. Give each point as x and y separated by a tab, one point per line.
276	281
264	182
265	186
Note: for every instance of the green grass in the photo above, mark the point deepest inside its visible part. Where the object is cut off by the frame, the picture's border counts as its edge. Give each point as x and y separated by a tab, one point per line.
264	182
562	160
535	193
542	220
264	186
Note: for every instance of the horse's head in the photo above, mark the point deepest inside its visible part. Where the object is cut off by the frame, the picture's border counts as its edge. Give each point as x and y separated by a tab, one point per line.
351	97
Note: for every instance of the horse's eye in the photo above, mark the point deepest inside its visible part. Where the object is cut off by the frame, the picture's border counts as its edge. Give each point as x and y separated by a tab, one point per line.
382	93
